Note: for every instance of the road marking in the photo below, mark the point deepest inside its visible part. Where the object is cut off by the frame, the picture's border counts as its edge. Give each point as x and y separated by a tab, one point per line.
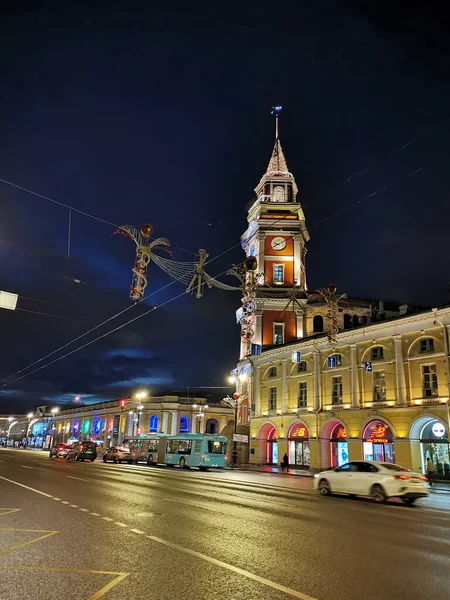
137	531
120	524
7	511
25	467
74	506
84	509
27	487
243	572
107	519
78	478
56	498
47	532
94	514
196	505
64	502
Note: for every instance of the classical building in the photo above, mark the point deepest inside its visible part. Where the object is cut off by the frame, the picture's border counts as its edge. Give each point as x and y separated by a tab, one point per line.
380	391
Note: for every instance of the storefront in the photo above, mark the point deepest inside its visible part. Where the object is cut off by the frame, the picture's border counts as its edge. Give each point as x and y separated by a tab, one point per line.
338	446
298	445
378	442
434	444
272	447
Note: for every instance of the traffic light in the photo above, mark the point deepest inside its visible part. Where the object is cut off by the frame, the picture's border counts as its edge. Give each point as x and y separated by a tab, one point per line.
123	403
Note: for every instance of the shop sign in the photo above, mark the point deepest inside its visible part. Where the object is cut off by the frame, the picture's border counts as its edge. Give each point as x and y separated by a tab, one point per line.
378	433
299	431
340	433
110	425
438	430
243	439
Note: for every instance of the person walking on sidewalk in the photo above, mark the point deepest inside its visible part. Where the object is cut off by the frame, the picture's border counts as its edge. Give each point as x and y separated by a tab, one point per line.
285	463
430	471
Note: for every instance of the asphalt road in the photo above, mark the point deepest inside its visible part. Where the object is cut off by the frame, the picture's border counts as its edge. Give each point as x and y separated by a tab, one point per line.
83	531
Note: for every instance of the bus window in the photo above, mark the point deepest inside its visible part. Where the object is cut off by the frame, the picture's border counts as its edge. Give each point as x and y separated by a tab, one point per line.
198	447
217	447
184	447
172	447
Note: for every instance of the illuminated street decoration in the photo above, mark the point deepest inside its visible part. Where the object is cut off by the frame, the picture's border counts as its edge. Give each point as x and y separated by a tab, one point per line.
332	300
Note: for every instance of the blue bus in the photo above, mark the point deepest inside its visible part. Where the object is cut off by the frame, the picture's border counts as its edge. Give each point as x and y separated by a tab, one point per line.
144	448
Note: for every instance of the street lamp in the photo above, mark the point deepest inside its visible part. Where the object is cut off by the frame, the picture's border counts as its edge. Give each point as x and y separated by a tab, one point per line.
234	404
200	414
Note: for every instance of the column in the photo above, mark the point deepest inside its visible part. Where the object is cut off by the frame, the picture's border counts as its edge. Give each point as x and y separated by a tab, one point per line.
261	267
283	388
165	422
174	423
317	399
354	377
298	259
201	427
400	372
222	422
194	421
299	317
257	391
106	442
257	339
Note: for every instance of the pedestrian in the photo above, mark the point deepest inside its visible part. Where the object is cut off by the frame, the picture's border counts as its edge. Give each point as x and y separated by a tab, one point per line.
430	471
285	463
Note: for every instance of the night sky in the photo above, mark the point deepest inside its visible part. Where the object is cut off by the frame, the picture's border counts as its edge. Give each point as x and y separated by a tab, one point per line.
160	112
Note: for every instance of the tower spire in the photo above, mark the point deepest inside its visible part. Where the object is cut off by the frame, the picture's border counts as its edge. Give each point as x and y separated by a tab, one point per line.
276	112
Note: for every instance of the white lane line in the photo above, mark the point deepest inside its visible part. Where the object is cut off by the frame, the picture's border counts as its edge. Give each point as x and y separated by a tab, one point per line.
107	519
120	524
84	509
56	498
78	478
196	505
25	467
64	502
137	531
74	506
94	514
27	487
243	572
1	460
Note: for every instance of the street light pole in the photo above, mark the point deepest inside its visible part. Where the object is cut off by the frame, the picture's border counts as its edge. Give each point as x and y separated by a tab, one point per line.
234	404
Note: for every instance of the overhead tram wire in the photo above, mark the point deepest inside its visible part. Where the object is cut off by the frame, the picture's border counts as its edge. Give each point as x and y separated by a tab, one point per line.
359	201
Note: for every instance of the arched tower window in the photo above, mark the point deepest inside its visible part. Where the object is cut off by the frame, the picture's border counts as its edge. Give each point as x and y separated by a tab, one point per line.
318	324
278	194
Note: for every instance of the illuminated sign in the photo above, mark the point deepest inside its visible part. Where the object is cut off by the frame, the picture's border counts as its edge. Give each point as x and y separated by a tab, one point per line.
76	427
299	431
110	425
340	433
438	430
378	433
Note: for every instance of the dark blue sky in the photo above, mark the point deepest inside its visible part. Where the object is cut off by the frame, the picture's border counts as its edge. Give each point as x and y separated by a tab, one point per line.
137	111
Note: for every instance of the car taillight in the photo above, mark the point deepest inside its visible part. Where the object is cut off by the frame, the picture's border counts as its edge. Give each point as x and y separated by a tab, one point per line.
422	478
402	477
226	457
61	448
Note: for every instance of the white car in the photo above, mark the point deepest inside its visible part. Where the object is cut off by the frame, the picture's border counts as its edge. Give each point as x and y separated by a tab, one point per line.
379	480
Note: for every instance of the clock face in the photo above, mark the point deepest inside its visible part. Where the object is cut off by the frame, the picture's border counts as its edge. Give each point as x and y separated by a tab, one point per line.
278	243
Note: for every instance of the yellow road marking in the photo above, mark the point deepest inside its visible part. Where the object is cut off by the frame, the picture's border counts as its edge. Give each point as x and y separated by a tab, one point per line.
48	533
117	579
6	511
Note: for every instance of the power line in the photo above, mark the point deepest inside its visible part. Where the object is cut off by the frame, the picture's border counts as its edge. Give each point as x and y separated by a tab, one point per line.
46	314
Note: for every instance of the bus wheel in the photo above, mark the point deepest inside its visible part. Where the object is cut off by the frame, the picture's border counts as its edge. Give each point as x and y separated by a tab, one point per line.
203	468
182	462
150	460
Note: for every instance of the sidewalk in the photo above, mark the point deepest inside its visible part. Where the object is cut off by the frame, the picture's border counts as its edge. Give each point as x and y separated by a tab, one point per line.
268	469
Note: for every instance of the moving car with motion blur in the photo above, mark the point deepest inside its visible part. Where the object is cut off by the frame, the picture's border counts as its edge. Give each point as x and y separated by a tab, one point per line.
60	450
379	480
118	455
83	451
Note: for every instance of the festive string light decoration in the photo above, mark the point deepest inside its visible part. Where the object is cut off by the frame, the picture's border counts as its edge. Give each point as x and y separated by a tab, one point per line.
332	301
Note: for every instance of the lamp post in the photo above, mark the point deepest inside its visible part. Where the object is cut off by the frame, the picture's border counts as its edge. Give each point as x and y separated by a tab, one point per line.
139	397
200	414
234	404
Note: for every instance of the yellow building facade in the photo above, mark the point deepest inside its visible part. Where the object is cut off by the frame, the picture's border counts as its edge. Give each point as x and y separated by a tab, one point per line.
380	393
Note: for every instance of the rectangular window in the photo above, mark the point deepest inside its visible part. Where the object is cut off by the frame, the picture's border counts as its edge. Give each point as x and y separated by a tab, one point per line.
378	353
244	414
272	372
301	368
278	273
430	383
302	395
336	395
273	398
379	386
427	345
278	333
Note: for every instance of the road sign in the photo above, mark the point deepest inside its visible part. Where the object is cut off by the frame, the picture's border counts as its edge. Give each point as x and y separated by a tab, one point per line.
332	362
368	367
256	350
296	357
240	438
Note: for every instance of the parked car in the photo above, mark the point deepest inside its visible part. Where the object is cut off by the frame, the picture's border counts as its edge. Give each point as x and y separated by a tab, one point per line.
83	451
118	455
379	480
60	450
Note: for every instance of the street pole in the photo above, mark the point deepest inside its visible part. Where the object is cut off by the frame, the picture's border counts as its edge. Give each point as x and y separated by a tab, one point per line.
234	456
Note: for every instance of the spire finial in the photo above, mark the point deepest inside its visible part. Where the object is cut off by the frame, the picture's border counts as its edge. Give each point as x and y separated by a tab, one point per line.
276	111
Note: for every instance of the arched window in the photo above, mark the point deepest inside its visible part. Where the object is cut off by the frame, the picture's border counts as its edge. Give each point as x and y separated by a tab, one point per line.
184	425
278	194
426	345
364	320
153	424
377	353
355	320
318	324
212	426
272	372
347	321
301	367
338	359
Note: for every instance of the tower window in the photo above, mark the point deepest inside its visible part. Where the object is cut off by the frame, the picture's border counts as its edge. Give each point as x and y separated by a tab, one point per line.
278	333
318	324
278	273
278	194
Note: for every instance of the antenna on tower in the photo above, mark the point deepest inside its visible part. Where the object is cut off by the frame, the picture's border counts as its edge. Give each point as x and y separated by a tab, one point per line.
276	111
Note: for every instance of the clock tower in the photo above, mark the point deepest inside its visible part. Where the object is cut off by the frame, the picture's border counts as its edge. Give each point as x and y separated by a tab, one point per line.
277	236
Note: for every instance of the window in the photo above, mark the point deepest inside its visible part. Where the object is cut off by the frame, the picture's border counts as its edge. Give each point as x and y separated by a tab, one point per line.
427	345
278	194
355	320
212	426
272	372
217	447
338	359
349	467
364	467
278	333
153	424
430	383
278	273
273	398
377	353
184	425
379	386
347	321
318	324
302	367
302	395
336	395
